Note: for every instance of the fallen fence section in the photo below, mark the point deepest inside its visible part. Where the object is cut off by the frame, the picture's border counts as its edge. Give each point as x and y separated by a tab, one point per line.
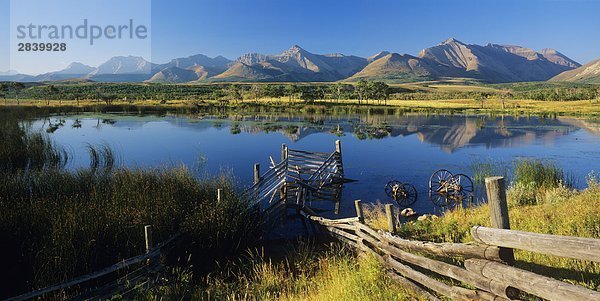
479	266
140	270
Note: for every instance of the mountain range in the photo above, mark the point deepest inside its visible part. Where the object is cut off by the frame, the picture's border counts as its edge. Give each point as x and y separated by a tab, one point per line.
491	63
588	73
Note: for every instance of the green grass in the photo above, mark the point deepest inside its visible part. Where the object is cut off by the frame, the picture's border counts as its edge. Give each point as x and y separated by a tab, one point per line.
542	174
533	178
305	273
57	224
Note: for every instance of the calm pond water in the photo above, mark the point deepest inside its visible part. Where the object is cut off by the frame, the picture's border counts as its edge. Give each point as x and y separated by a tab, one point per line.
376	148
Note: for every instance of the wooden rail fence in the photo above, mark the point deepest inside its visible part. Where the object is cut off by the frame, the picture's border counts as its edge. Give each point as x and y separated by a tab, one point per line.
484	267
138	272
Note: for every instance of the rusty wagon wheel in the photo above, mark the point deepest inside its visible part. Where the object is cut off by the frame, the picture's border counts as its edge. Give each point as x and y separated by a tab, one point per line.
462	186
439	181
441	199
410	196
392	187
404	194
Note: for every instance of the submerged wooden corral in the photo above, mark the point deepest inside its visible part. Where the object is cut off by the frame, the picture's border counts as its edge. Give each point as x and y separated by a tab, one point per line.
483	270
299	178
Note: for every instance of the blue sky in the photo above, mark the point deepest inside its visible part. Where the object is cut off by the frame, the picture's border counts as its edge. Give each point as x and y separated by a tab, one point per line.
360	27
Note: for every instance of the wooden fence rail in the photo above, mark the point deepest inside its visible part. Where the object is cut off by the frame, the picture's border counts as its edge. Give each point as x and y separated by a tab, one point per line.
152	252
563	246
484	266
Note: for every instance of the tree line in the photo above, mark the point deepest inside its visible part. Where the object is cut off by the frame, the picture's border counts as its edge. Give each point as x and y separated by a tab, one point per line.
373	92
236	92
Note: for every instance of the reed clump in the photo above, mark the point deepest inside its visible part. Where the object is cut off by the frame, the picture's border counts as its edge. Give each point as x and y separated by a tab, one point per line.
534	178
22	149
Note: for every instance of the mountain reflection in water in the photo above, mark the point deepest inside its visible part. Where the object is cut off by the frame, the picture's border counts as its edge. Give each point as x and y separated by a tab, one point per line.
377	148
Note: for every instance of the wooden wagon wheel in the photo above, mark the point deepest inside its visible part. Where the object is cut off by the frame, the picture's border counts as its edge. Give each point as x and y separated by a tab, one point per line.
392	187
439	180
462	186
441	199
410	196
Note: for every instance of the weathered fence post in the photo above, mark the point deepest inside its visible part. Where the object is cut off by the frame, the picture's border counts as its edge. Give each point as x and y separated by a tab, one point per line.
359	211
256	173
338	150
496	194
148	237
219	195
284	152
389	212
284	156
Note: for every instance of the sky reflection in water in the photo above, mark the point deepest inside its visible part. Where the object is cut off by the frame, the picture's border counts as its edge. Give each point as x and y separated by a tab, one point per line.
376	148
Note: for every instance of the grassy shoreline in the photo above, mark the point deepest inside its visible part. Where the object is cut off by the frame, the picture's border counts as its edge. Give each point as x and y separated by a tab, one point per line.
584	108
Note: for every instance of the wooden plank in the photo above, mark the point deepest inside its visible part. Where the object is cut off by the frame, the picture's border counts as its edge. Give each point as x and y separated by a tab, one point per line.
284	152
351	243
219	195
148	238
323	220
557	245
444	249
342	227
359	211
500	290
295	152
452	271
411	285
108	270
454	292
344	234
324	166
370	231
541	286
256	173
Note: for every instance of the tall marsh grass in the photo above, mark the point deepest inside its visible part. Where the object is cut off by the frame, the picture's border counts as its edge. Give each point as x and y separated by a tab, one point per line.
534	178
483	168
542	174
22	149
305	274
57	224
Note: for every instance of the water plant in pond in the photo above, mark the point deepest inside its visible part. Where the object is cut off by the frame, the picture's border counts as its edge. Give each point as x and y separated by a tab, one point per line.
337	130
483	168
22	149
101	157
235	129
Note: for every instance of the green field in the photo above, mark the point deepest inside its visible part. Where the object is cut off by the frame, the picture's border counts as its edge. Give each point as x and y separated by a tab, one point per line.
451	95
